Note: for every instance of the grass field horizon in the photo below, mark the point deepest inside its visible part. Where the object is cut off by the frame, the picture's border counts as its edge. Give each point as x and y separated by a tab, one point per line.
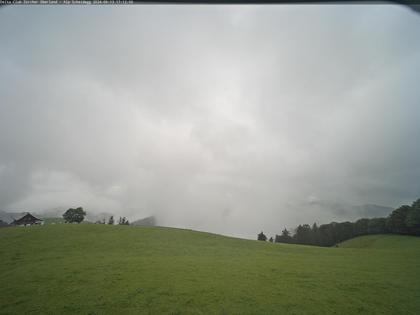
101	269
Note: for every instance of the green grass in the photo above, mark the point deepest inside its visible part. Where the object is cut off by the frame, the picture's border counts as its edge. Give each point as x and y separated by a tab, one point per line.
101	269
400	242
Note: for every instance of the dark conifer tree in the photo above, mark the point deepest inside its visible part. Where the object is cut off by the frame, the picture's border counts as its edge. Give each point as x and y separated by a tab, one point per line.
396	222
262	237
412	221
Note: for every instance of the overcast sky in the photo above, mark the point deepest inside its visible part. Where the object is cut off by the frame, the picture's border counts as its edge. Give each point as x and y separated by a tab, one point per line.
228	119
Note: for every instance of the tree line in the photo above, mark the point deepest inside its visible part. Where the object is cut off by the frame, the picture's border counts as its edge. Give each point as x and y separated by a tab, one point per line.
403	220
78	215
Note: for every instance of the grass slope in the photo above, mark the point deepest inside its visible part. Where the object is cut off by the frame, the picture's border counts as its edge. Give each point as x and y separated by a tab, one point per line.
101	269
387	241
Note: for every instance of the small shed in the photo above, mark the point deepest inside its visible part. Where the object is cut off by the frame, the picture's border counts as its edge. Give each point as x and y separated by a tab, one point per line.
27	219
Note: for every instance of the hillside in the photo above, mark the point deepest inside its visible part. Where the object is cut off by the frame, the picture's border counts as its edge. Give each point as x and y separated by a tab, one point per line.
101	269
148	221
384	241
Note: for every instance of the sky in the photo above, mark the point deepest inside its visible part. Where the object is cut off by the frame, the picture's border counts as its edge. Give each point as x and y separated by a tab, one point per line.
228	119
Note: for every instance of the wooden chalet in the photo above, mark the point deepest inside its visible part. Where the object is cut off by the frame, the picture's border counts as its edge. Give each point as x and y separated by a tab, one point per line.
27	219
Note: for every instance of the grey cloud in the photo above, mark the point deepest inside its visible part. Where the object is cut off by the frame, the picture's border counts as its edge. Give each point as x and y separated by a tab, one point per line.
229	119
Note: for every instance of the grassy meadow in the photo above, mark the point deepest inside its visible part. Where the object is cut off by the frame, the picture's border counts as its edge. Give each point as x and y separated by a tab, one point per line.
101	269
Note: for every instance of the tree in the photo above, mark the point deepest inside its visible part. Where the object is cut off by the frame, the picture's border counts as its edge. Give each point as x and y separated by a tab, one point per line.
74	215
315	234
284	237
396	221
412	220
271	240
361	227
377	226
327	234
404	220
111	220
123	221
303	234
344	231
262	237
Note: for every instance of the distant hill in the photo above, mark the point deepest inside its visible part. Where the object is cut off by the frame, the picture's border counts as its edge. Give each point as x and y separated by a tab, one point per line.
56	212
343	211
94	217
9	217
148	221
373	211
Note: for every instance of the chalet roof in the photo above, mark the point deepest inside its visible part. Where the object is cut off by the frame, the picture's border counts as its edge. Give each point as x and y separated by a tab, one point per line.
27	218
